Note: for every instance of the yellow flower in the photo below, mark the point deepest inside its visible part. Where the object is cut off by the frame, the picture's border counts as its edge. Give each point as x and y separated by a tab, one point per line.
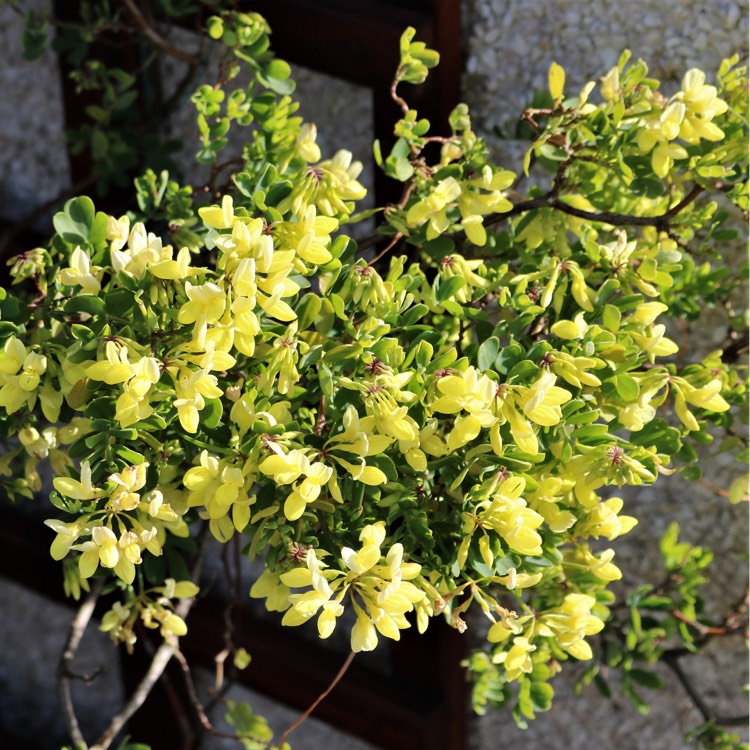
326	185
702	104
455	265
101	548
219	217
205	304
118	231
125	496
570	329
570	623
305	145
20	388
556	80
116	368
603	520
542	400
384	592
310	236
286	469
599	565
133	403
517	660
481	196
508	515
145	253
268	586
67	534
433	208
81	273
78	490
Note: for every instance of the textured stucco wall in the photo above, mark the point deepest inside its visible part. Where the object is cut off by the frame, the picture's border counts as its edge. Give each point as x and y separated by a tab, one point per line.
509	45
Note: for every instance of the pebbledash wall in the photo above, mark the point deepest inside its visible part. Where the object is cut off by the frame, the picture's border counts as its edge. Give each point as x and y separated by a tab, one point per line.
509	45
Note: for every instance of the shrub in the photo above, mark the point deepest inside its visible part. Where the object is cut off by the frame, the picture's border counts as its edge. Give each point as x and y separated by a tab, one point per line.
406	426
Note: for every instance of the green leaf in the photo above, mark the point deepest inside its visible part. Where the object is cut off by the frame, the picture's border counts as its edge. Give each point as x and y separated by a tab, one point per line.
448	287
488	352
611	317
84	303
602	686
275	76
508	357
649	680
119	302
627	387
211	414
128	454
413	314
541	695
74	222
307	310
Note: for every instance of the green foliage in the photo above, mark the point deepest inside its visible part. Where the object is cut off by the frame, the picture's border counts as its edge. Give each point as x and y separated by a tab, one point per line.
710	737
253	730
404	436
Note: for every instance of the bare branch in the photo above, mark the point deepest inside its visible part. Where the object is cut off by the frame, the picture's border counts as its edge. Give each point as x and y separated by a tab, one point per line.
65	666
672	661
159	662
318	700
399	100
156	39
385	249
550	200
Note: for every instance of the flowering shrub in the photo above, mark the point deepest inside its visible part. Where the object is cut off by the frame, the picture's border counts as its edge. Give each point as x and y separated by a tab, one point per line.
403	433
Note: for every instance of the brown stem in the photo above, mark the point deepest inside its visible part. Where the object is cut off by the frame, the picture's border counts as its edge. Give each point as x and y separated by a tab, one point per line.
399	100
65	666
607	217
156	39
318	700
672	661
704	630
385	249
197	705
718	490
320	422
159	662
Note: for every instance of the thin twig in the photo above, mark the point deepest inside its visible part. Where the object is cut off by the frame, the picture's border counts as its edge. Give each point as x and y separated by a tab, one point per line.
156	39
385	249
65	666
399	100
718	490
159	662
672	661
197	705
606	217
318	700
705	630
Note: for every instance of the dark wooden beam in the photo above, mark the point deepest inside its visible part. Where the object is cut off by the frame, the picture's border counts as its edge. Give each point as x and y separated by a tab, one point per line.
358	41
